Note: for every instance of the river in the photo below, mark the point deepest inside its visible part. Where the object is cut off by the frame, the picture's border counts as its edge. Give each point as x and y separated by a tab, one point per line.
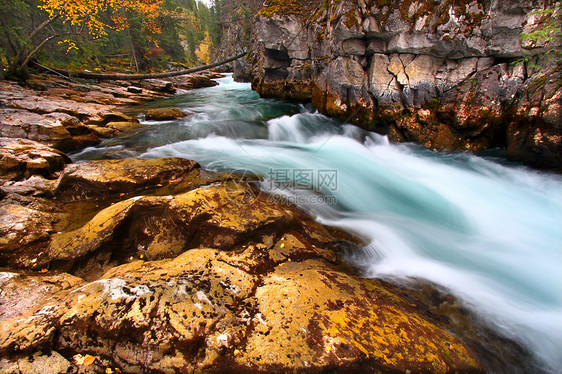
488	231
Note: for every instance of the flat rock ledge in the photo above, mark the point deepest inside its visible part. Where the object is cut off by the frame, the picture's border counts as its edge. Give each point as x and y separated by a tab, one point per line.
72	115
158	266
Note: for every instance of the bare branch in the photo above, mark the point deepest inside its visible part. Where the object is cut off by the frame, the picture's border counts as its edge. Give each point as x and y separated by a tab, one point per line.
47	22
24	63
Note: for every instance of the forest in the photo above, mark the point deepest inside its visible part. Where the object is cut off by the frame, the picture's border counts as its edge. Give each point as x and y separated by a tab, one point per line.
125	36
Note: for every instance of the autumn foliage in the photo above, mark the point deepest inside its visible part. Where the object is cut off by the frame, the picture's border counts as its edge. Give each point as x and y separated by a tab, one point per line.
118	35
93	14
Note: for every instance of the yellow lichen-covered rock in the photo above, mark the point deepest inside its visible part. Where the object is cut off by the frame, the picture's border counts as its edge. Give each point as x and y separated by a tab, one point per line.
164	114
156	227
28	307
311	315
124	127
199	312
109	177
167	315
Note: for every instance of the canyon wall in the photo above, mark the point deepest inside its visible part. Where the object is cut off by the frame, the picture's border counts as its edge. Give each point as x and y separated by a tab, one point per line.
454	75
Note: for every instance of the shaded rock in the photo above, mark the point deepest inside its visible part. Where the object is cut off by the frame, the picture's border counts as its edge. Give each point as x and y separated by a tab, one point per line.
159	85
354	47
25	231
164	114
201	81
191	81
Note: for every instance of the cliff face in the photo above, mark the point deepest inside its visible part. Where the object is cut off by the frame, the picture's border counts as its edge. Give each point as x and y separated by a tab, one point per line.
447	74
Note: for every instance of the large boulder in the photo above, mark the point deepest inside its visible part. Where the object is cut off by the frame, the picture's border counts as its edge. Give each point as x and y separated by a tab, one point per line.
201	312
95	179
59	130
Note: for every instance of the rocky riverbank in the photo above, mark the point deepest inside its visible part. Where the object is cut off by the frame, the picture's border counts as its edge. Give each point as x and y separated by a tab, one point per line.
157	265
468	75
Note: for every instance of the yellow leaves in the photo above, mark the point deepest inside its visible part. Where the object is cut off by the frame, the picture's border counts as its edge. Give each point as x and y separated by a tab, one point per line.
88	360
71	45
204	53
90	13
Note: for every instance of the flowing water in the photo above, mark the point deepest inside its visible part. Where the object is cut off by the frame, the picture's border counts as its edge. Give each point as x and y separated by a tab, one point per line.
488	232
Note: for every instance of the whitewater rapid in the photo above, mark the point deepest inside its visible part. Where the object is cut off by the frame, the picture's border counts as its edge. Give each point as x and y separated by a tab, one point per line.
489	233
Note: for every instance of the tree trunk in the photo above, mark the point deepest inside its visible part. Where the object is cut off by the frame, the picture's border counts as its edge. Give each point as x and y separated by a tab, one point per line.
18	69
1	71
134	77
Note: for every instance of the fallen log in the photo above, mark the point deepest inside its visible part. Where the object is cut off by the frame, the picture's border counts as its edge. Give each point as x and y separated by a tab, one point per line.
134	77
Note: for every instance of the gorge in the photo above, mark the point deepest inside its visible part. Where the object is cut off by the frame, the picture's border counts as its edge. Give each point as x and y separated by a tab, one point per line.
375	189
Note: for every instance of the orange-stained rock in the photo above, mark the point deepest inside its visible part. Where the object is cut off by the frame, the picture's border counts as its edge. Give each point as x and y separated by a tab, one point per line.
109	177
199	312
156	227
164	114
311	315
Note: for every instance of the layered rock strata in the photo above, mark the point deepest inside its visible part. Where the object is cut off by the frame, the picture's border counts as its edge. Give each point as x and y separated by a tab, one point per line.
463	75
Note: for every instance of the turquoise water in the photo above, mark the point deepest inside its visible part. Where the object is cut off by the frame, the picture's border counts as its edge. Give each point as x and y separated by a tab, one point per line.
490	233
